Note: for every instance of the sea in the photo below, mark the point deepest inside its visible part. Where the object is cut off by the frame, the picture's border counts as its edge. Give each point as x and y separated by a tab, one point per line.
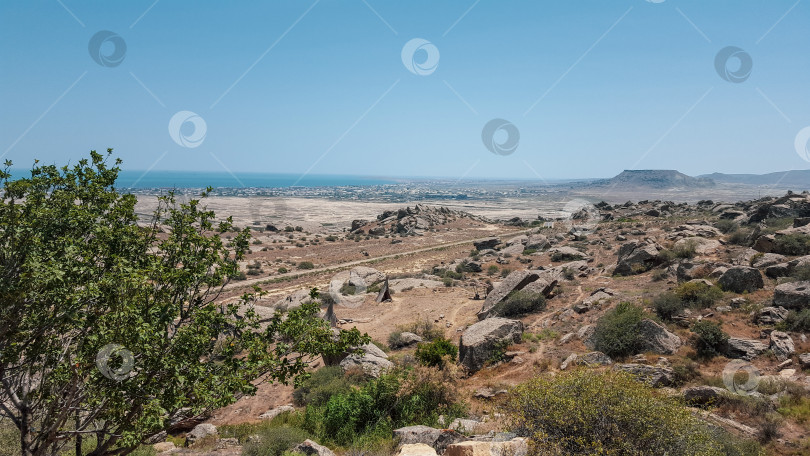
135	179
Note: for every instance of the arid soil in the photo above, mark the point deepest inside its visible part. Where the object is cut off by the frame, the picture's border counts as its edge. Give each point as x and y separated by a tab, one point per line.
326	239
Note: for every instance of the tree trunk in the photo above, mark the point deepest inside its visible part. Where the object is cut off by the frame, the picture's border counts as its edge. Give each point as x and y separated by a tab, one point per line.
78	436
26	436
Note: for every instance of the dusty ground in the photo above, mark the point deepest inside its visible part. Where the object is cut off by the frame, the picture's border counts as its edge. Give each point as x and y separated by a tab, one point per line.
453	308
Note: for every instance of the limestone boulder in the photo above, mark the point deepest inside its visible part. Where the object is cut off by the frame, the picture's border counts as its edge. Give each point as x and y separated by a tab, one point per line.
746	349
741	279
436	439
479	341
637	257
782	345
792	295
515	447
656	339
311	448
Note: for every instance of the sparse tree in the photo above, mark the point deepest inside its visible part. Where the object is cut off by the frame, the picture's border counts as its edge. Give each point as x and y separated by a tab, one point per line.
111	329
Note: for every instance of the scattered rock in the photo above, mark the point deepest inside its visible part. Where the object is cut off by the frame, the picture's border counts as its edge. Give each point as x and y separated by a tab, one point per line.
792	295
311	448
591	359
514	447
635	258
746	349
488	243
781	345
373	362
515	281
270	414
656	339
164	447
488	393
705	395
770	315
437	439
200	431
768	259
741	279
804	360
466	426
406	339
416	449
478	342
654	376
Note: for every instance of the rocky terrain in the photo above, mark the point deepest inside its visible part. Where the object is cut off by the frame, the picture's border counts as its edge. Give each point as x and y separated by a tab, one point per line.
743	266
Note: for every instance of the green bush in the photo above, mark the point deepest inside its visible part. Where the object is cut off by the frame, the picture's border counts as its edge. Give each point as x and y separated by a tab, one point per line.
727	226
796	321
520	303
698	294
436	353
584	412
667	305
617	331
306	265
396	399
801	273
274	441
739	237
792	244
710	340
282	270
323	384
492	270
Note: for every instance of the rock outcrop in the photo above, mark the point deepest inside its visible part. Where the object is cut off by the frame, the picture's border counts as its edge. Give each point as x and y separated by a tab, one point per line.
436	439
746	349
741	279
479	341
655	376
656	339
373	361
515	281
792	295
636	257
311	448
514	447
782	345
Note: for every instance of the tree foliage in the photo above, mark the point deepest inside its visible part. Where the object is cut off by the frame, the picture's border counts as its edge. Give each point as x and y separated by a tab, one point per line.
113	328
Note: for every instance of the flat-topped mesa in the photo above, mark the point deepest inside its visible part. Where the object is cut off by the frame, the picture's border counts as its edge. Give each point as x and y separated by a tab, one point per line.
655	178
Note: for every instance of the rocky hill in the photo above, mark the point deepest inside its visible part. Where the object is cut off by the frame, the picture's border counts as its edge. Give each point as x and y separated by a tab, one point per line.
654	178
411	220
796	179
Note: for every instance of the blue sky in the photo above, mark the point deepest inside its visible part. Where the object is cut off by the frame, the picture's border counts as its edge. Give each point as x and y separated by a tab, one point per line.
305	86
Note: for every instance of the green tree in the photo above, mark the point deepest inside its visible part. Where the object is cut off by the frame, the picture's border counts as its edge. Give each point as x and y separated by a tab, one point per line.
110	329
